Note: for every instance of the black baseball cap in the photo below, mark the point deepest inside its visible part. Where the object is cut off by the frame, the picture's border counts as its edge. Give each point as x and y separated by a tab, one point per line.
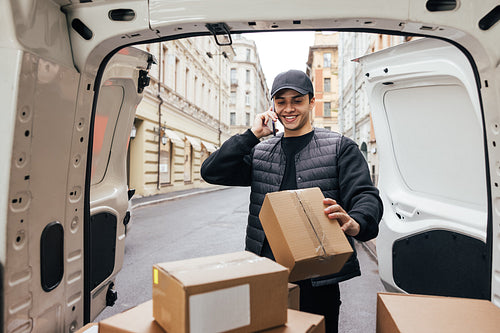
292	79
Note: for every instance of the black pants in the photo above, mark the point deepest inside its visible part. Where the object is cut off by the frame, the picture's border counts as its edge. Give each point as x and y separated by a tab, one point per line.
324	300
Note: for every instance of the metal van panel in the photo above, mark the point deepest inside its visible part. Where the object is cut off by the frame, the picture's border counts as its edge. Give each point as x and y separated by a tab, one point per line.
9	85
25	25
38	195
107	34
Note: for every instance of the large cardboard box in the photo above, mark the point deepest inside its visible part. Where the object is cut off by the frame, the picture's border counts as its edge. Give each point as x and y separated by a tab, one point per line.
398	313
301	322
236	292
89	328
293	296
300	234
139	319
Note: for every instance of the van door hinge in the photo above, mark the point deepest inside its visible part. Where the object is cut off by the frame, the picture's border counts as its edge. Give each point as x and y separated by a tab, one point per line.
143	81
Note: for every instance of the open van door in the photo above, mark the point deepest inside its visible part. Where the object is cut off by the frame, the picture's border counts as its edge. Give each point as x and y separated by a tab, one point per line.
120	91
428	123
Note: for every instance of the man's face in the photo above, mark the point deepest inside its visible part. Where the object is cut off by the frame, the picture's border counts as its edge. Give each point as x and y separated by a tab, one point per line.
293	110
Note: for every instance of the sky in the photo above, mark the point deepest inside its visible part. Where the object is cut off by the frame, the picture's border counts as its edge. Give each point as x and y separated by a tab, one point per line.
281	51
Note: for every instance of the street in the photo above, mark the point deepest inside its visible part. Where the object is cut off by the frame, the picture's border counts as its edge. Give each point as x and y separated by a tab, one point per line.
214	223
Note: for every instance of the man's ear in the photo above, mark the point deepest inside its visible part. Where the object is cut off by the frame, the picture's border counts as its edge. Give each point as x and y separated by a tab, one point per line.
311	103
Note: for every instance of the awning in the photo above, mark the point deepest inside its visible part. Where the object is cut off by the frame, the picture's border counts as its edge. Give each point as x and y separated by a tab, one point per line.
194	142
209	146
174	137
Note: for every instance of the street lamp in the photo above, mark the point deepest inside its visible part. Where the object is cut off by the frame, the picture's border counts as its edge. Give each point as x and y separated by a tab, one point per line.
211	55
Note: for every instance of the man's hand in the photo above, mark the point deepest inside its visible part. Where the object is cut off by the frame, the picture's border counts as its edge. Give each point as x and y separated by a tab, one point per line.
260	125
335	212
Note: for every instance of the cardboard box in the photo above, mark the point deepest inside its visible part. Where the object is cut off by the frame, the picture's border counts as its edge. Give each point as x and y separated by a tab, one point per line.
236	292
300	234
293	296
139	319
301	322
89	328
417	313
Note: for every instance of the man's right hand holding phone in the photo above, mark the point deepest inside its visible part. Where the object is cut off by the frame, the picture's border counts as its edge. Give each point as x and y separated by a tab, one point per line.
262	125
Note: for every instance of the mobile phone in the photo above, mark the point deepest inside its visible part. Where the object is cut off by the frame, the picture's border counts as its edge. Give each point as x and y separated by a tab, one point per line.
272	125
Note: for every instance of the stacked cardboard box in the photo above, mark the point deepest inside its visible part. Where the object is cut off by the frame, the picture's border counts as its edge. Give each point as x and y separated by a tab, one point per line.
300	234
140	320
237	292
418	313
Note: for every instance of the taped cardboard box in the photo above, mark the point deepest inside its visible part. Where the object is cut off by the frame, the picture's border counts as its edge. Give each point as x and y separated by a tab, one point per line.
138	319
235	292
301	322
293	296
300	234
89	328
418	313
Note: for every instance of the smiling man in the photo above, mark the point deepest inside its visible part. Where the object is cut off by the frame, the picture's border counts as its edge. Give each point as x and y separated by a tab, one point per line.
301	157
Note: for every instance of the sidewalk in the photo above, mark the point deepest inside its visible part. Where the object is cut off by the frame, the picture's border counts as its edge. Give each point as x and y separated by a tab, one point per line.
158	198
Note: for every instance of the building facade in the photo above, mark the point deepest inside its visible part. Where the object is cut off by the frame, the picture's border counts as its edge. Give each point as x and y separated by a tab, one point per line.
183	116
322	68
354	110
249	93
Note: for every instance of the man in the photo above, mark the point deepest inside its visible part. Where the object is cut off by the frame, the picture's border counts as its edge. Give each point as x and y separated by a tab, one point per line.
302	157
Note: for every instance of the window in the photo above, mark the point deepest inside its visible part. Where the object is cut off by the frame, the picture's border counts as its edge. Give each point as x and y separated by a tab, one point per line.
327	85
364	150
202	102
327	112
247	119
164	64
247	76
186	84
166	163
247	99
233	97
234	78
188	161
249	53
177	76
327	59
232	118
195	90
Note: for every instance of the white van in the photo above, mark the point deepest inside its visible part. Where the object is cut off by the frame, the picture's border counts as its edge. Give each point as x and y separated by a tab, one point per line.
69	89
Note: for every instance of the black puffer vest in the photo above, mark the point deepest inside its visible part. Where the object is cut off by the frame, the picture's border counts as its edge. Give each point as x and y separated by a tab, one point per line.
316	166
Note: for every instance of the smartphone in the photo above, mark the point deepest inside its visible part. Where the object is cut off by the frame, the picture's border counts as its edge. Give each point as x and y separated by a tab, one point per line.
271	124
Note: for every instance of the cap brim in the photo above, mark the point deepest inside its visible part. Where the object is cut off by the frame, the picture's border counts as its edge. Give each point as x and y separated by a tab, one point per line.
297	89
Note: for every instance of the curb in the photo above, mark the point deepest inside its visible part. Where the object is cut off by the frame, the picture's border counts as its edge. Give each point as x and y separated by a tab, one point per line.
371	248
175	197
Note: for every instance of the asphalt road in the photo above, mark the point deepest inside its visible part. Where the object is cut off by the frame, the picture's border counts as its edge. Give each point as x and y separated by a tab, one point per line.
214	223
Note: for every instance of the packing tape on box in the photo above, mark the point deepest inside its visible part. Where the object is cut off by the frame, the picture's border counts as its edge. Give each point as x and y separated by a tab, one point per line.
214	265
319	235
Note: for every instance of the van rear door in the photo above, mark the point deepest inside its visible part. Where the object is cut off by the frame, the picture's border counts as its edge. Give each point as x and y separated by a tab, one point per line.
428	123
120	91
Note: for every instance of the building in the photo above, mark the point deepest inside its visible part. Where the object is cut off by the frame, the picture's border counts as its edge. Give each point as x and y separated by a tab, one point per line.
249	92
322	68
183	116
